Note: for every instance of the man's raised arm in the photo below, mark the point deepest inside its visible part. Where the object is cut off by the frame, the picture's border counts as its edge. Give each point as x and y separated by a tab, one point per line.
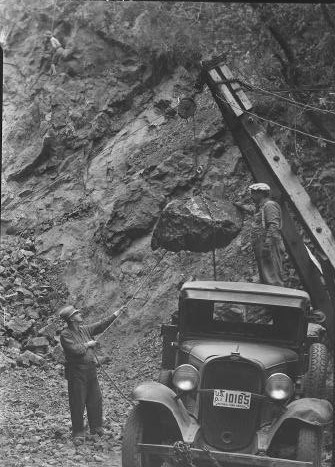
100	326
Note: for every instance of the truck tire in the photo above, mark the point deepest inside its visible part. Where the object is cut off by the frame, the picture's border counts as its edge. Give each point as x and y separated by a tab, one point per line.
309	445
315	378
140	427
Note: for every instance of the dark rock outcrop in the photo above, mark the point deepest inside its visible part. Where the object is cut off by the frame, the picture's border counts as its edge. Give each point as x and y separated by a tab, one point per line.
30	158
177	173
134	214
196	225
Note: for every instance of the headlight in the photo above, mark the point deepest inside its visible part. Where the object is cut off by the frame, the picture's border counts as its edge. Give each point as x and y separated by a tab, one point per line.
185	377
279	387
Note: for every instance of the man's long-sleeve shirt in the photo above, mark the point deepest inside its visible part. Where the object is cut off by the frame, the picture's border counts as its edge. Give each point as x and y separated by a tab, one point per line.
73	341
267	222
271	220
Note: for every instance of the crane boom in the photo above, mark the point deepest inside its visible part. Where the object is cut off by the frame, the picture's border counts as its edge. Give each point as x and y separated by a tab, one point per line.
268	164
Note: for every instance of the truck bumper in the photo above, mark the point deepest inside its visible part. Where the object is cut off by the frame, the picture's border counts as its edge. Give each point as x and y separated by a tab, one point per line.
228	459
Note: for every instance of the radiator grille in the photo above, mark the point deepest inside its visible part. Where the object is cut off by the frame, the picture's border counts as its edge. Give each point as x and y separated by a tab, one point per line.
227	428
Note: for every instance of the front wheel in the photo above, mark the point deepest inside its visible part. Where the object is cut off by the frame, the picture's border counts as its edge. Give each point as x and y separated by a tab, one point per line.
309	445
141	427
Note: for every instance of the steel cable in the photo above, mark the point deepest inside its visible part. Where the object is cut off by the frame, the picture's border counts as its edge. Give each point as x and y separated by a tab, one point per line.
291	101
134	294
319	138
53	17
272	93
214	234
124	306
111	380
199	170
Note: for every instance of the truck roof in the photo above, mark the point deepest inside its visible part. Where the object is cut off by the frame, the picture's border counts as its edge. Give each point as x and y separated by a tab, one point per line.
244	292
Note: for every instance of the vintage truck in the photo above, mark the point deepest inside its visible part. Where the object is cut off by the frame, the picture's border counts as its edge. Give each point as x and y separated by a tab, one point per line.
241	383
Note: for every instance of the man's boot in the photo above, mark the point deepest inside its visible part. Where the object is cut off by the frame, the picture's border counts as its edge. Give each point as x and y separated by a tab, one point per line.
98	431
79	438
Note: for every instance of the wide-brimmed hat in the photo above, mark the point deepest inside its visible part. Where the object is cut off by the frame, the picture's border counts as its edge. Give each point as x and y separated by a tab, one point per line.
67	311
259	187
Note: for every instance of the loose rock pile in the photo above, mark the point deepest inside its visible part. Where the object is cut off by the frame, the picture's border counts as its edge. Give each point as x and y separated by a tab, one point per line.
29	296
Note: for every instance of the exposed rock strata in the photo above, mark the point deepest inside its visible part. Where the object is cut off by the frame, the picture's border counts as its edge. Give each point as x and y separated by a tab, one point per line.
134	214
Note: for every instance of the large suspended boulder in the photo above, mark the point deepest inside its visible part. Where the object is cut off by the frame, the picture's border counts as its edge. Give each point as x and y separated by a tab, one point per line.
196	224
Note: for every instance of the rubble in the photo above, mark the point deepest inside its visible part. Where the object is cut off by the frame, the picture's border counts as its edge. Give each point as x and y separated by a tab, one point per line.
24	292
3	340
33	314
28	298
13	352
38	344
5	363
18	326
196	225
49	330
13	344
57	354
26	358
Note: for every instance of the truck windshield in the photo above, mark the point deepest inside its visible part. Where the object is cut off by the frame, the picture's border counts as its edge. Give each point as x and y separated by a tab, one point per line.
275	322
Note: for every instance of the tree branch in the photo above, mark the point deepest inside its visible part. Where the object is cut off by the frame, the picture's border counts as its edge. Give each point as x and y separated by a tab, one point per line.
278	36
289	68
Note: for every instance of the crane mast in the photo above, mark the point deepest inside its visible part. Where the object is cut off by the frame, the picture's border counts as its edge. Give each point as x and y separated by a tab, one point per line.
267	164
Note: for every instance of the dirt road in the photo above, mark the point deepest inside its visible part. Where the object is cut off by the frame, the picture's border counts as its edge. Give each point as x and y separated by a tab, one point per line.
35	424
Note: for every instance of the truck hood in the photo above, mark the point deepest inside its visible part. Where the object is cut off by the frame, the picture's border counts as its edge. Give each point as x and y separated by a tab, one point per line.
266	355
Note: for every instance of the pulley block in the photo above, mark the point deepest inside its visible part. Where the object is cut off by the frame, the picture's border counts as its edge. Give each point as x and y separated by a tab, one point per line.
186	107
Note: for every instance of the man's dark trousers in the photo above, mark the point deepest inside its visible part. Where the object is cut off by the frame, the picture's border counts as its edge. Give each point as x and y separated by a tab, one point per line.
84	391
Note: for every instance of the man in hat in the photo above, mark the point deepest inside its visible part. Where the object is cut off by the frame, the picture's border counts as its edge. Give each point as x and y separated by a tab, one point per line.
267	239
80	370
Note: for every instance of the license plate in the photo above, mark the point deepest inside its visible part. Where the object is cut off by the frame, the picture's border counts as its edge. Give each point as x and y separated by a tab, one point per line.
232	399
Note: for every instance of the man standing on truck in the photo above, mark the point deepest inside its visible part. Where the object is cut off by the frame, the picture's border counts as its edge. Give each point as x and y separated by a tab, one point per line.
80	370
267	239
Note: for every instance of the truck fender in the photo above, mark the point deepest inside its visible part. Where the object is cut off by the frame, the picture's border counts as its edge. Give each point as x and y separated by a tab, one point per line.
308	410
157	393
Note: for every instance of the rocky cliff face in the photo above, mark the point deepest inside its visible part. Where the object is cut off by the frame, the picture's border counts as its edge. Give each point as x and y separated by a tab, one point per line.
94	150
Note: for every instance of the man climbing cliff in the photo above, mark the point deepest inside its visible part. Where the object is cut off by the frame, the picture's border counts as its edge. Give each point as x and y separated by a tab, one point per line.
80	370
267	239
